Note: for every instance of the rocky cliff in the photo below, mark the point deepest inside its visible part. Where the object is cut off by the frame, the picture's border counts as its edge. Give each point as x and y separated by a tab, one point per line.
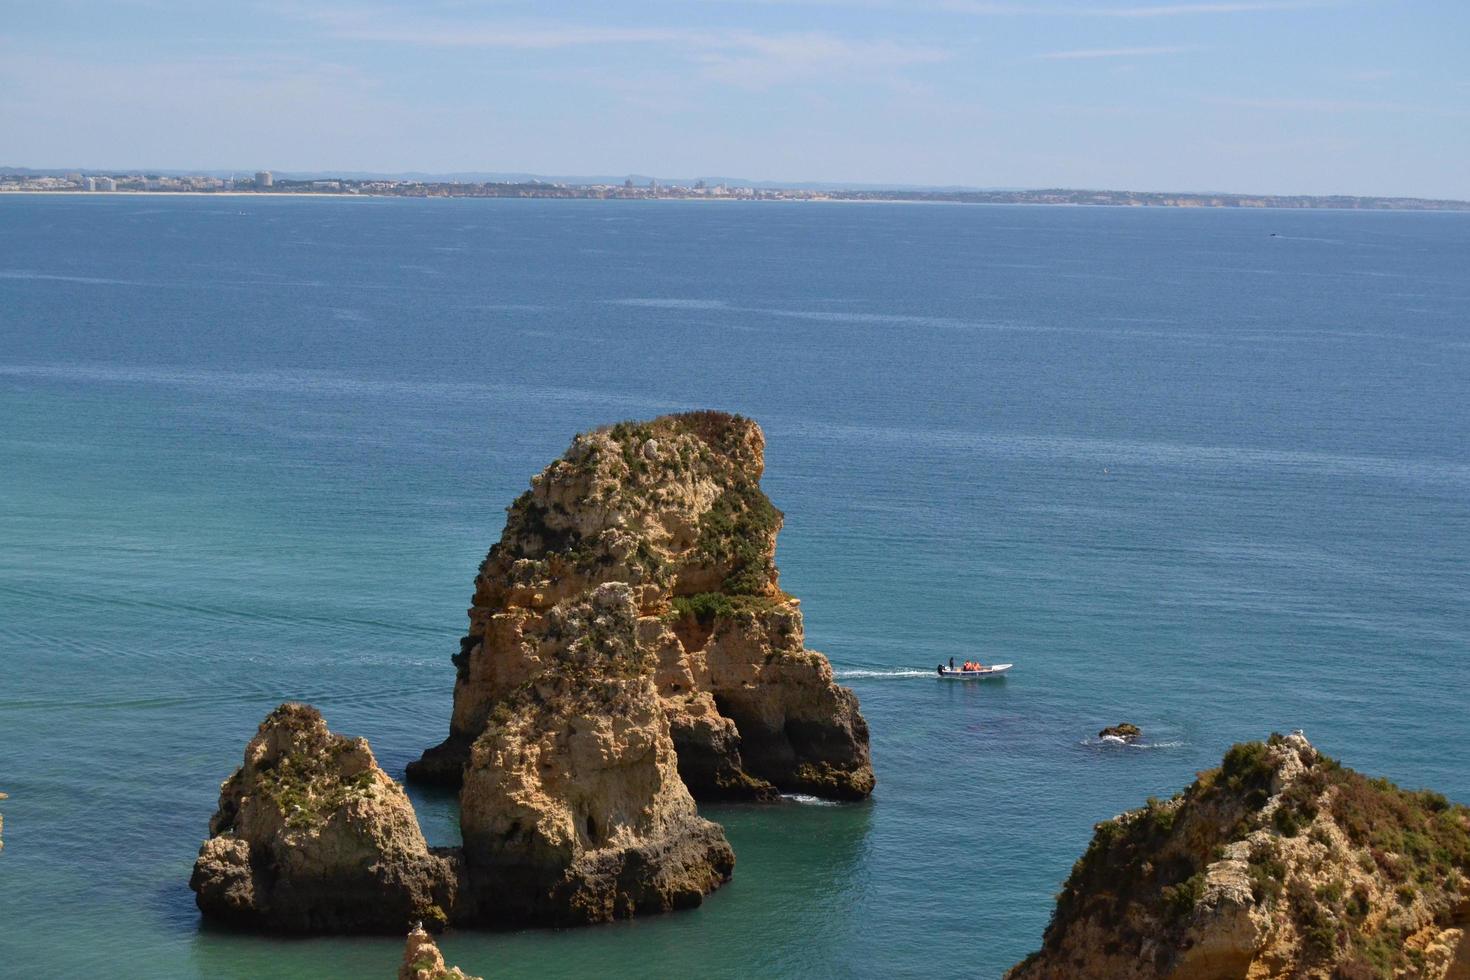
1280	863
311	836
672	508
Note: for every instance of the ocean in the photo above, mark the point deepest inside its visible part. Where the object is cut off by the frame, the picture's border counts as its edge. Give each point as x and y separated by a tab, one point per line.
1207	471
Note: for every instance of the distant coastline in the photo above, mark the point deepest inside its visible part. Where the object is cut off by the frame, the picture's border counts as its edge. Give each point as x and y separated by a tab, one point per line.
264	184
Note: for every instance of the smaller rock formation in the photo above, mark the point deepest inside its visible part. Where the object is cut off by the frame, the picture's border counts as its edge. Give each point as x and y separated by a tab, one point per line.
1125	731
423	961
1279	864
311	836
572	807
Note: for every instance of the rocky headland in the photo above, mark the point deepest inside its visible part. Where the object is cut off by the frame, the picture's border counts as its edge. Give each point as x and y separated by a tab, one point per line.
1280	863
629	651
674	509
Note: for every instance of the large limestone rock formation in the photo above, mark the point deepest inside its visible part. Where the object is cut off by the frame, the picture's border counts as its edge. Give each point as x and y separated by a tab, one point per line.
1281	863
628	644
423	961
311	836
673	508
572	806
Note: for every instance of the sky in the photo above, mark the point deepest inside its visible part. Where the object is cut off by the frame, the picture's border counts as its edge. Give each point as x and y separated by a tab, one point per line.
1264	96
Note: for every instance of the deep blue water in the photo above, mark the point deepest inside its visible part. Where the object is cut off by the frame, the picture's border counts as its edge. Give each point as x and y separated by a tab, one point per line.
1178	470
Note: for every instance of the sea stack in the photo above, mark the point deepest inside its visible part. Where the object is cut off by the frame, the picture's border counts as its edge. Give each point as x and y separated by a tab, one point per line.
423	961
629	650
572	806
311	836
673	509
1280	863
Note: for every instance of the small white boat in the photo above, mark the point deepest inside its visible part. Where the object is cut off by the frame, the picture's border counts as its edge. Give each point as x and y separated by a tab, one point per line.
994	670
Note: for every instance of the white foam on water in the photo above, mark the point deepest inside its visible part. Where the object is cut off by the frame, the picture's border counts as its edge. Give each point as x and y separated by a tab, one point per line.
671	304
1113	741
806	799
846	674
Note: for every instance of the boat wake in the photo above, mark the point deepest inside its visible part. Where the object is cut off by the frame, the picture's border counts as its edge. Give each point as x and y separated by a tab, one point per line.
1113	742
847	674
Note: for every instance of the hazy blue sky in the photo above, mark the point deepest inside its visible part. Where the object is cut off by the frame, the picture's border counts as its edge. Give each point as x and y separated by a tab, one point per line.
1352	96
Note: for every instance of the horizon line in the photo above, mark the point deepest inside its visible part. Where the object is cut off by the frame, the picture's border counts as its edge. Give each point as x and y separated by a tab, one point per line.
592	180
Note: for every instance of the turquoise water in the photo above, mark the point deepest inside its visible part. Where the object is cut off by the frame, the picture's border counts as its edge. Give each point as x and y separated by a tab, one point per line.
1178	470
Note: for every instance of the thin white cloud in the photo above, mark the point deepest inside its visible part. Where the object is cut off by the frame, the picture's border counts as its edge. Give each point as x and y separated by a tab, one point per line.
1195	9
984	8
757	62
1092	53
742	58
1316	105
530	37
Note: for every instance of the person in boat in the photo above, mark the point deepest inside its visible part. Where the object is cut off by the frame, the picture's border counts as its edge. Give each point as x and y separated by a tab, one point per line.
951	663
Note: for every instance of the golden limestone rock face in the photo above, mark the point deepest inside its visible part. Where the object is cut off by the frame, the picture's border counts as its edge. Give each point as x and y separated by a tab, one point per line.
311	836
1279	864
423	961
572	806
672	508
628	644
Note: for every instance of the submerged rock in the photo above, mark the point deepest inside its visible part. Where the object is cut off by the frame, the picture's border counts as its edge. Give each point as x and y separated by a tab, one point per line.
673	508
1280	863
1126	731
423	961
311	836
572	806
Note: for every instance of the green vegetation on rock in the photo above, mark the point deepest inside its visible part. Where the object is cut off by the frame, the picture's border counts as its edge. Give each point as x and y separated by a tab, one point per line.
706	607
1285	809
737	531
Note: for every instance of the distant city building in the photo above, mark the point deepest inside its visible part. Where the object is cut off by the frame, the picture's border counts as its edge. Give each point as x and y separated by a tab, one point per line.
106	184
263	178
90	183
